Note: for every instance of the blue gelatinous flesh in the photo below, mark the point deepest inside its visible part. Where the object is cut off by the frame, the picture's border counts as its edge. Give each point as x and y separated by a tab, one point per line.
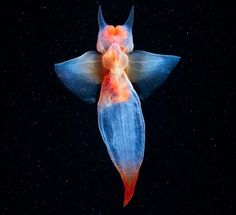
123	130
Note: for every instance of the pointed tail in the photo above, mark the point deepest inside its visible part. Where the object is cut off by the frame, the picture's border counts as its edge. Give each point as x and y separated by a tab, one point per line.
129	180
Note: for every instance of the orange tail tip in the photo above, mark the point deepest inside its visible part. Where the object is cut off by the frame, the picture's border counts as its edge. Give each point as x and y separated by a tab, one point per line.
129	185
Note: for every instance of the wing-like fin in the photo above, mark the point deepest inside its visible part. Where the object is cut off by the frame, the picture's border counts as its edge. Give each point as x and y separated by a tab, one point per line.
148	70
82	75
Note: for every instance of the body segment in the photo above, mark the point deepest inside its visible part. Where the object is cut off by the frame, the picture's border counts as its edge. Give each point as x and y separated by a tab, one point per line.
123	130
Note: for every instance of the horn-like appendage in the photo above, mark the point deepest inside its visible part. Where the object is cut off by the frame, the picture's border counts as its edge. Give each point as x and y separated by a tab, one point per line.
101	21
130	20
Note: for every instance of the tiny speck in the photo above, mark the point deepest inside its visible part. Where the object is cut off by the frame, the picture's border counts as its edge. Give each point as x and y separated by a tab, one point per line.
42	7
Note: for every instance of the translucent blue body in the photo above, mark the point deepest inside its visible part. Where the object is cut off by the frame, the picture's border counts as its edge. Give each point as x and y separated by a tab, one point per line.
123	131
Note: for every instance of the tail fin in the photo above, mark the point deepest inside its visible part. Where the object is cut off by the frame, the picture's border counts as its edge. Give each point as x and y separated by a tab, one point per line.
129	179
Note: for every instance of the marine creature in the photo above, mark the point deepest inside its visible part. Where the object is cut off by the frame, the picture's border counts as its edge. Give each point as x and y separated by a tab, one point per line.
113	69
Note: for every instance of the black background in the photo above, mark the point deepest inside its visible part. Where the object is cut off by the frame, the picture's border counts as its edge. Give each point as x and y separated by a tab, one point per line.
53	158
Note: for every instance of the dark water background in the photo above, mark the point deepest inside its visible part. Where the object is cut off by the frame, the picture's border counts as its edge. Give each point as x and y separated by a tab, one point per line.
53	158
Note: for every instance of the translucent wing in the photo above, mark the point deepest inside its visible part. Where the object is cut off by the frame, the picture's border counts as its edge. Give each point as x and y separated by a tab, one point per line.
148	70
82	75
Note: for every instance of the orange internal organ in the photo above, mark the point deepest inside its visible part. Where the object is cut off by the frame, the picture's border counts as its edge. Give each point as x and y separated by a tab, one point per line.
114	91
115	59
118	32
115	87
